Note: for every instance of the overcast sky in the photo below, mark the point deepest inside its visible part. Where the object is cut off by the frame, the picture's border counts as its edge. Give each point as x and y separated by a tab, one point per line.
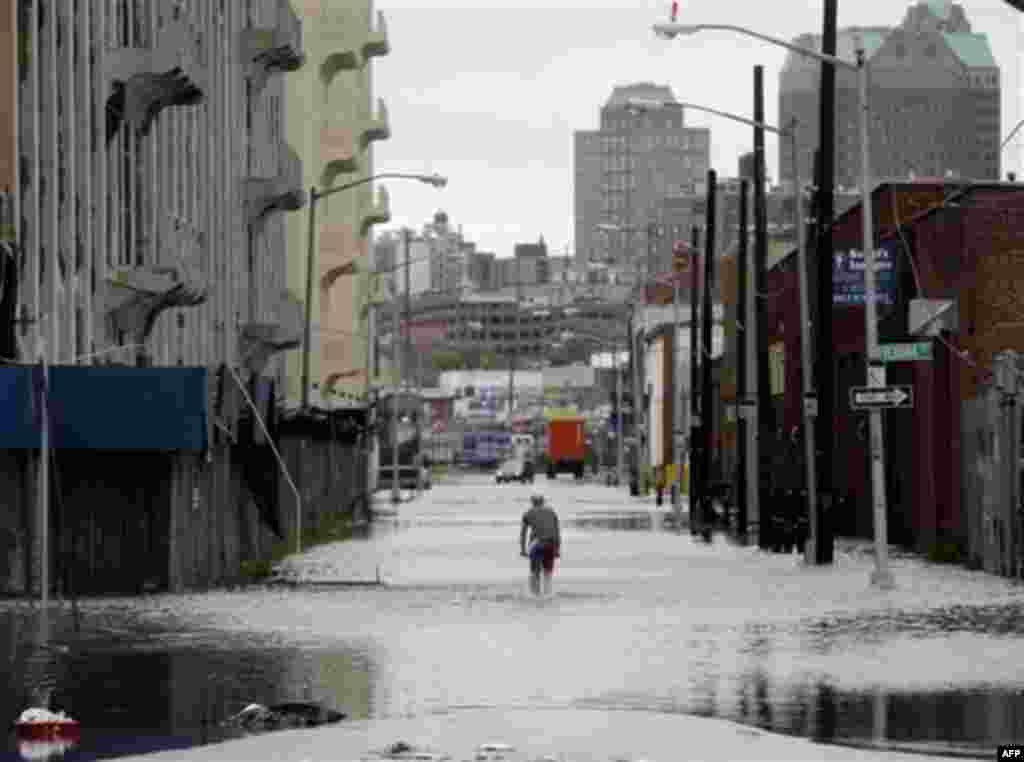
488	93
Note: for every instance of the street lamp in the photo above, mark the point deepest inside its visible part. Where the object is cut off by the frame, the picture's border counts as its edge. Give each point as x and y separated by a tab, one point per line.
438	181
882	575
789	132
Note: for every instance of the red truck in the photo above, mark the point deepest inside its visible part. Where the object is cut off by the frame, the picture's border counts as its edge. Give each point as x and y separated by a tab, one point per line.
565	446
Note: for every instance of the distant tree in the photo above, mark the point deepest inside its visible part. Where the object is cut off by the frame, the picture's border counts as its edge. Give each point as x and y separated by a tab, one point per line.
448	360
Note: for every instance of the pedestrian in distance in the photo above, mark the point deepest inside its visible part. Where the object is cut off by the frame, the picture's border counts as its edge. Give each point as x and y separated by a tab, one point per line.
541	522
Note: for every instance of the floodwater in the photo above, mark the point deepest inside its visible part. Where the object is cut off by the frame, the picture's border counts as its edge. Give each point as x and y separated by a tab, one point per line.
642	618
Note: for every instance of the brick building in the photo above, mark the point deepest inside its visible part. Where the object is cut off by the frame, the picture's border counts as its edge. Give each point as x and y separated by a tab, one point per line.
959	242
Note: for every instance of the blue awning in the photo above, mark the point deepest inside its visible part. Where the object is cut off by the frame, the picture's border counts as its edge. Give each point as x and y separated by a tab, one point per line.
106	408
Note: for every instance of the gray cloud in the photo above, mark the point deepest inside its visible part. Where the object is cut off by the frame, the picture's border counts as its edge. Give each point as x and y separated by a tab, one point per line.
489	94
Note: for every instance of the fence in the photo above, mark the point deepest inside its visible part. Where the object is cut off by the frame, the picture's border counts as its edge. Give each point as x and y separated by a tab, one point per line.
990	447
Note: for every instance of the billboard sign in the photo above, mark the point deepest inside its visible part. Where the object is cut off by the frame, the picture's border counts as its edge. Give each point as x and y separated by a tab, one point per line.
424	333
848	276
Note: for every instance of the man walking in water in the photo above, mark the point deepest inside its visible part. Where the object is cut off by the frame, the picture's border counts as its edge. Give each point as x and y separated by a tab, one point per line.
545	542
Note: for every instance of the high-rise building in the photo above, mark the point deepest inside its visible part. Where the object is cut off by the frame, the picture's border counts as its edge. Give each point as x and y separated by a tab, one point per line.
532	267
934	98
483	271
626	169
449	261
333	121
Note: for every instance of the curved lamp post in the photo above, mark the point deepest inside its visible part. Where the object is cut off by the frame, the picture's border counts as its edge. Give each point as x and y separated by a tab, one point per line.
881	576
438	181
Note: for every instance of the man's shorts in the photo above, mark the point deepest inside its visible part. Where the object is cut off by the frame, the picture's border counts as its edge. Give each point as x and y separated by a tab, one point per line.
542	554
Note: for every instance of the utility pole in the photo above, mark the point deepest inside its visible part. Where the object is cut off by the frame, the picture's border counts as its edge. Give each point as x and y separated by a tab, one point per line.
652	233
398	355
741	367
44	478
619	429
882	575
307	329
825	212
752	473
694	475
765	414
806	367
706	404
678	407
634	362
515	347
407	328
372	406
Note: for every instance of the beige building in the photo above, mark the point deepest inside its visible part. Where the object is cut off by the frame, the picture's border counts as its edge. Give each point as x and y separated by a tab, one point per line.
626	170
332	120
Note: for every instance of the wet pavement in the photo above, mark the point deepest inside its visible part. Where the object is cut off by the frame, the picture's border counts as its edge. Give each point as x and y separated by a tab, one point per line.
644	624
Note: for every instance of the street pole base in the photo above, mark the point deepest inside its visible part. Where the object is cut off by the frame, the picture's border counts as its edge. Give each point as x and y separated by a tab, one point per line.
810	552
882	579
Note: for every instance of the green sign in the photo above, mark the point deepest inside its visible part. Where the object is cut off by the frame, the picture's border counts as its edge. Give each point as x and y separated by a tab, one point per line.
921	350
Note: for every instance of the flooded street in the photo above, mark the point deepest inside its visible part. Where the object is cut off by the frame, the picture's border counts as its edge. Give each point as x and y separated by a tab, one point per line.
642	618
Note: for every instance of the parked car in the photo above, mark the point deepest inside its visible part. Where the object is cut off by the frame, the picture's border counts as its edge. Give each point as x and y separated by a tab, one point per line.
515	470
409	477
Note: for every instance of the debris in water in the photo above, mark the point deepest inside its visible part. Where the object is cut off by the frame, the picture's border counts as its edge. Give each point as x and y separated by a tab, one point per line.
290	714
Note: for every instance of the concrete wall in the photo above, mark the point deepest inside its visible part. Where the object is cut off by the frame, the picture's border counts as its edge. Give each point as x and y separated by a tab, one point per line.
15	530
142	522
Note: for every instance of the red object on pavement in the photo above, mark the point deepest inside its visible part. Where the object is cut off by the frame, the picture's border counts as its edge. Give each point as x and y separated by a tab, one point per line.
41	724
675	10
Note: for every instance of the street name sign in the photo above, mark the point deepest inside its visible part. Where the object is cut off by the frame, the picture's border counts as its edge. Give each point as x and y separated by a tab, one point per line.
877	397
912	352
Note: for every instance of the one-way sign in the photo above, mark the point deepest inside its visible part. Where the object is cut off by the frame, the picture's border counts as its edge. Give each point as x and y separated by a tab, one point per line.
874	397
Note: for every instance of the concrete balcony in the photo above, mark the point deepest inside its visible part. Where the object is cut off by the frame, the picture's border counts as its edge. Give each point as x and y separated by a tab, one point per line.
283	192
258	342
145	81
338	252
351	374
136	297
377	43
338	153
378	128
378	214
273	50
350	57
